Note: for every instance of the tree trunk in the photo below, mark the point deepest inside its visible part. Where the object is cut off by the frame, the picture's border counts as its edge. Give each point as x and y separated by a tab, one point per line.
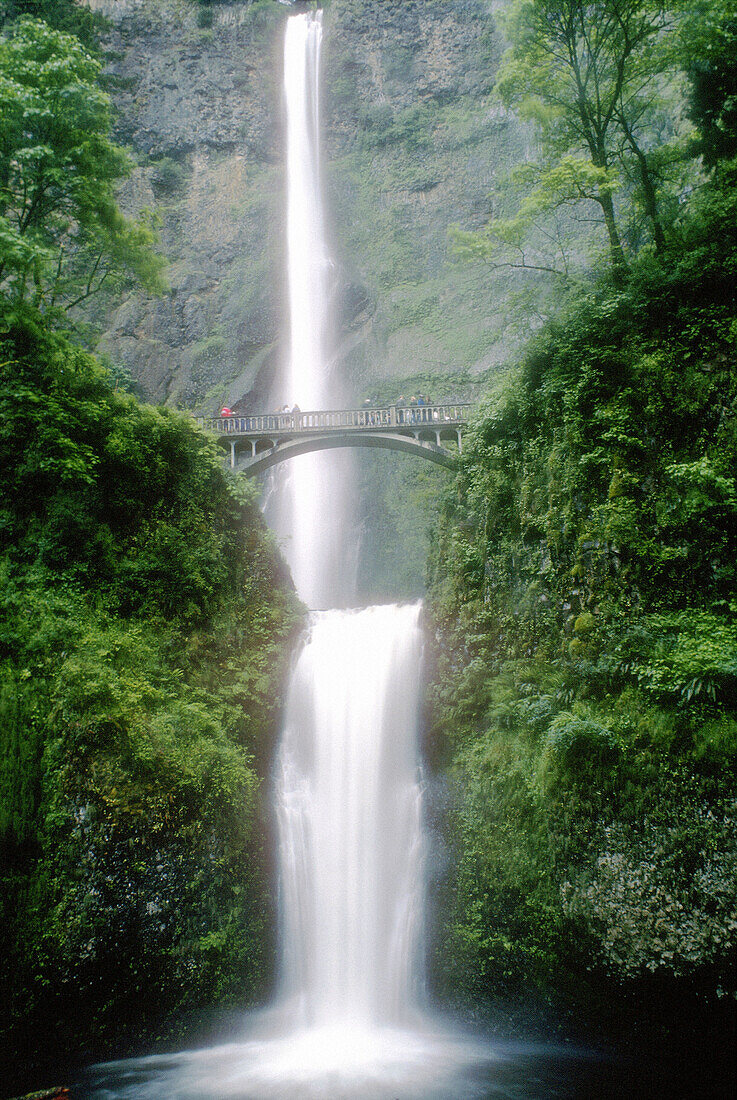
616	252
648	188
597	148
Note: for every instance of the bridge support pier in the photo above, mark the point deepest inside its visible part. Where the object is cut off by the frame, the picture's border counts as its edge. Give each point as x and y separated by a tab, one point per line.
232	454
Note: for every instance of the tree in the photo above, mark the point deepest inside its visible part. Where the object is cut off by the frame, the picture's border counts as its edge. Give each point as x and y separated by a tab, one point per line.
62	236
71	16
711	49
587	73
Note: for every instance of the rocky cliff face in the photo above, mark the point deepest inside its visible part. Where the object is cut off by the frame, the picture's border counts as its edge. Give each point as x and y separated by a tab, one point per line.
200	106
413	143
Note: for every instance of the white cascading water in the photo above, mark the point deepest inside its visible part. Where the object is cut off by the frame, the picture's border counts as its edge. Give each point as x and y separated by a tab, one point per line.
350	820
347	1022
348	795
310	494
348	784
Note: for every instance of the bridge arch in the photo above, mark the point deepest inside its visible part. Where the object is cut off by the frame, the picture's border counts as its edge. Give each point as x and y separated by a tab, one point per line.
262	445
284	449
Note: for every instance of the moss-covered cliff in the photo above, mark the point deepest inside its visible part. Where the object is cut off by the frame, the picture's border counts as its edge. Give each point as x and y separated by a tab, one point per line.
200	107
145	628
414	145
585	686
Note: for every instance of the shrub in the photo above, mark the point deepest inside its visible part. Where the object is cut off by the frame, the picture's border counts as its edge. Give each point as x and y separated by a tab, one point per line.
576	745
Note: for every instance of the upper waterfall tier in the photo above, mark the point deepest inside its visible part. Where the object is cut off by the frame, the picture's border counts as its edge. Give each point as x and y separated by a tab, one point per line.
309	505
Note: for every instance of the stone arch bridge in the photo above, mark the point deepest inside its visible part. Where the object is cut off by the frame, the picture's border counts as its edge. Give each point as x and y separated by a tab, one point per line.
258	442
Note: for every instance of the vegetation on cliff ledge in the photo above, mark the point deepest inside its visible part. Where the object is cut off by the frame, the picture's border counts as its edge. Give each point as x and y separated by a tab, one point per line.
584	604
145	620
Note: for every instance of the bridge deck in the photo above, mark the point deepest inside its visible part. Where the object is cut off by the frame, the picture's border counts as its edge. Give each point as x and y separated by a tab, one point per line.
388	418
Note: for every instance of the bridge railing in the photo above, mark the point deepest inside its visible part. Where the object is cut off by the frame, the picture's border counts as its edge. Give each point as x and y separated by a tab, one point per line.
390	416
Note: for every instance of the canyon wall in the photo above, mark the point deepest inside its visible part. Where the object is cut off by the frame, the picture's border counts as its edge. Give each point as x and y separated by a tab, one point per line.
413	144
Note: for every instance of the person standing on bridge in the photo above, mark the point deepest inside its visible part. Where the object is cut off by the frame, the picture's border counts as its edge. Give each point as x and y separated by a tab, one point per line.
297	417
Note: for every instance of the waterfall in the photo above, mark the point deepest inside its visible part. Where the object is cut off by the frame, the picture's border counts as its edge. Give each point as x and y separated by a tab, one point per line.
350	831
308	261
347	1022
348	794
309	497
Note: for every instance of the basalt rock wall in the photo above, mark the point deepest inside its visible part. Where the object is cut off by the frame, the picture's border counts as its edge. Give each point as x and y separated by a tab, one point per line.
200	106
413	142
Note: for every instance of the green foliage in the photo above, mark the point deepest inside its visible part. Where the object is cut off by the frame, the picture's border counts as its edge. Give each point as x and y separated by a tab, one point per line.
62	236
70	16
411	127
710	41
168	176
20	773
508	241
599	83
574	743
204	15
583	577
144	626
683	656
134	501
